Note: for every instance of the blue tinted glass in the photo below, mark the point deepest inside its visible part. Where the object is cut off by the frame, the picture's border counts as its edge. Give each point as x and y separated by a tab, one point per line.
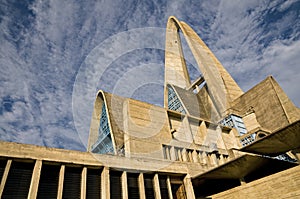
103	144
173	101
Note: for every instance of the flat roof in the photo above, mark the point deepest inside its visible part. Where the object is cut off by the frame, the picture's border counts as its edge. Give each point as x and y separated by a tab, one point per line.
242	166
279	142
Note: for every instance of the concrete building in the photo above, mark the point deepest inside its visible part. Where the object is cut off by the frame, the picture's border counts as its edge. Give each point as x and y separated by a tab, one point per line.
210	140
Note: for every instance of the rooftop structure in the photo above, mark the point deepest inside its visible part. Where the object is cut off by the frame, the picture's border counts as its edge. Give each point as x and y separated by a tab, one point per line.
210	140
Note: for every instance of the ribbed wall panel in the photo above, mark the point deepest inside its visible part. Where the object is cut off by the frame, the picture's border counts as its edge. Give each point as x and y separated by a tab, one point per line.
163	187
133	186
72	180
48	184
148	179
115	185
18	180
2	167
93	184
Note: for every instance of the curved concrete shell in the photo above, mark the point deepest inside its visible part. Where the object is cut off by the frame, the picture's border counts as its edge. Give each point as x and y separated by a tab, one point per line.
221	86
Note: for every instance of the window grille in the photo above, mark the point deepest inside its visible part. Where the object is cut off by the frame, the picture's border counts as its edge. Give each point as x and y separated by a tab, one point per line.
115	185
93	184
18	180
72	181
234	121
103	144
48	184
248	140
149	189
163	187
133	186
174	102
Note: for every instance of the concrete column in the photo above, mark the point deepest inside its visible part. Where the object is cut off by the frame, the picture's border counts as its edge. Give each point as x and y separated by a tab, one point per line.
179	152
189	187
169	188
184	155
190	155
222	159
83	183
200	157
195	156
204	158
213	159
142	186
4	177
61	182
124	185
35	179
172	153
105	186
156	187
167	151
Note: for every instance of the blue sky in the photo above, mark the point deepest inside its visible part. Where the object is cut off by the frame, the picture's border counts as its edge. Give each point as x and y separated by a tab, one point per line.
54	55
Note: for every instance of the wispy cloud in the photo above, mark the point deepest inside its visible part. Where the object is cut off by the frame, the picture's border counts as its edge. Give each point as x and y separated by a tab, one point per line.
44	43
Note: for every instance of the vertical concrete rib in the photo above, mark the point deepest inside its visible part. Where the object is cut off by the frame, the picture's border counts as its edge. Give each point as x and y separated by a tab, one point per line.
35	179
156	187
142	186
83	183
105	183
189	187
4	177
124	185
169	188
61	182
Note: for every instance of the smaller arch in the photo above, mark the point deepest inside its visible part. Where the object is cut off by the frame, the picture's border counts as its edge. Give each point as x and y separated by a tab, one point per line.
101	138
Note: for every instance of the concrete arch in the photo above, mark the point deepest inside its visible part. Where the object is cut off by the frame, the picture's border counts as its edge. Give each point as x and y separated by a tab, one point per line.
95	122
221	86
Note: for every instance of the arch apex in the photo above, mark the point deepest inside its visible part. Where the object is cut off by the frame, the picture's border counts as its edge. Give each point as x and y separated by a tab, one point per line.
221	86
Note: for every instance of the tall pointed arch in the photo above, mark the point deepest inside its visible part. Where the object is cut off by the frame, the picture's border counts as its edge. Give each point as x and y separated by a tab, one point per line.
221	86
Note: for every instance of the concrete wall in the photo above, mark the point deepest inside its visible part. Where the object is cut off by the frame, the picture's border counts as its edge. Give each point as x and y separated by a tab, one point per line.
285	184
272	107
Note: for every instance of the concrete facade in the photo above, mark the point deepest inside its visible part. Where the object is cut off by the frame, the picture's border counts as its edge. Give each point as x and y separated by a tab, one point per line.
210	140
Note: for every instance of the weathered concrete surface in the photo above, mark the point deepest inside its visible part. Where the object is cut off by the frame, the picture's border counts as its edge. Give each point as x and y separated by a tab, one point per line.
284	184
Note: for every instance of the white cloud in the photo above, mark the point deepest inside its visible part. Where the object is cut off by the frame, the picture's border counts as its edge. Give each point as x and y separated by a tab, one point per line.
44	44
281	61
253	38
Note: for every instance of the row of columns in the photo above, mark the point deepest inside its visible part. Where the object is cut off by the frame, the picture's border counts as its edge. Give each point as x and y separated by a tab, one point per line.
106	186
192	155
105	183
